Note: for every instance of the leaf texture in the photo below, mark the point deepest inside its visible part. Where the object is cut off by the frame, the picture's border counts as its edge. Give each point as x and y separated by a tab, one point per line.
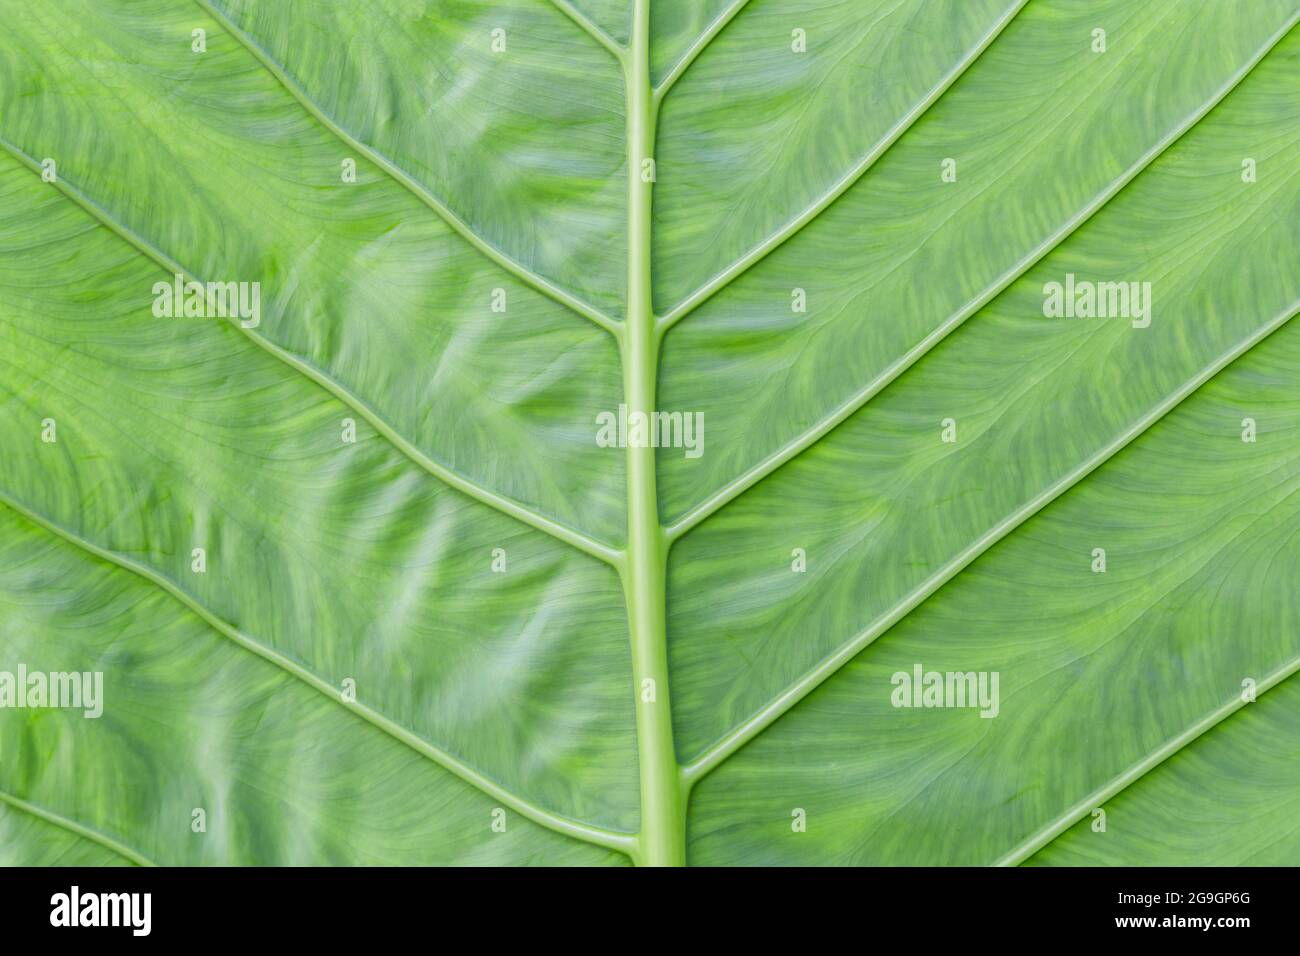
436	622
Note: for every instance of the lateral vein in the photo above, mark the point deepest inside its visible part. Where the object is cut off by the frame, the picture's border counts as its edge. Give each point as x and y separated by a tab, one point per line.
459	225
694	50
610	839
842	185
589	26
72	826
760	470
1051	831
779	705
505	505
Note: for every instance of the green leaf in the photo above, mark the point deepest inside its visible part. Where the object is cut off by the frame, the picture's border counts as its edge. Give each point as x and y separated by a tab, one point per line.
434	620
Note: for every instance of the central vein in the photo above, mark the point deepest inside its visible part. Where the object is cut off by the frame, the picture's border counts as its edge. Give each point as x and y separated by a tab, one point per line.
662	840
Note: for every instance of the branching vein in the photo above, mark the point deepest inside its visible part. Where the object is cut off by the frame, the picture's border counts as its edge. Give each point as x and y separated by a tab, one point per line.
517	269
695	49
611	839
760	470
585	22
1074	814
842	185
506	505
809	682
72	826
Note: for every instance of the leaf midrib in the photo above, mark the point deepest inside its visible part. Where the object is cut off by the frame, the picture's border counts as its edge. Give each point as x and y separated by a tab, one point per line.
750	477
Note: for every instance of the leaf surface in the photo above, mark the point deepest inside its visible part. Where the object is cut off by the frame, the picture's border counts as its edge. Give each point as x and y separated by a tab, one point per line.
473	634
